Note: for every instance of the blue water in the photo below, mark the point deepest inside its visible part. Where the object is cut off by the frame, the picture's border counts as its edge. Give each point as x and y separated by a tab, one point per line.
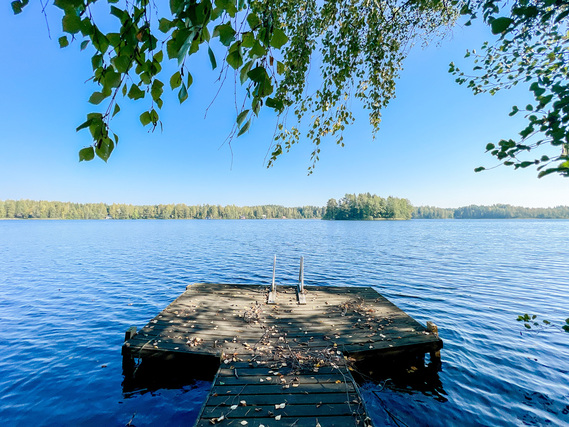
69	290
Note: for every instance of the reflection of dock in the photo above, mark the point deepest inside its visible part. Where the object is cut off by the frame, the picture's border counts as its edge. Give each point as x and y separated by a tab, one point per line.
286	362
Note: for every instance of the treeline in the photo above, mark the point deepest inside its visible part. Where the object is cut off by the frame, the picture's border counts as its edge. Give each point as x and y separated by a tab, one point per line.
368	206
491	212
30	209
350	207
432	212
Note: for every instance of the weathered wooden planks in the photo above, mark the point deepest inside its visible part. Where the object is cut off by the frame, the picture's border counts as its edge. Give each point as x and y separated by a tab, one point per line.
284	352
268	392
213	318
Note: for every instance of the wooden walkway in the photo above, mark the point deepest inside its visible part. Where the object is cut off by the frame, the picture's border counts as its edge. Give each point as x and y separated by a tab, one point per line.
283	362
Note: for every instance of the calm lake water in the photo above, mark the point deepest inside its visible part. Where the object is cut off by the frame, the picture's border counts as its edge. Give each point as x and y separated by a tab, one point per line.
70	289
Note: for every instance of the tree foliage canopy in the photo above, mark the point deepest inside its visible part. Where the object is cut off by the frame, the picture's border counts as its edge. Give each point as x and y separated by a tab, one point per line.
368	206
533	48
269	46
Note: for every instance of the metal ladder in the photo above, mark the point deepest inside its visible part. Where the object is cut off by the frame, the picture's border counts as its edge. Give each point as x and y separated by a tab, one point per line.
300	292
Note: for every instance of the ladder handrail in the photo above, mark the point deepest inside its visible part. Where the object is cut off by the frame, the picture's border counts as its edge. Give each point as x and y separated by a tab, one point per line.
272	297
273	285
300	287
301	275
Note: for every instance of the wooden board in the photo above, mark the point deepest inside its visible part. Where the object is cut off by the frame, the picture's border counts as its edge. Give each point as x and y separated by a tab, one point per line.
282	353
268	393
223	319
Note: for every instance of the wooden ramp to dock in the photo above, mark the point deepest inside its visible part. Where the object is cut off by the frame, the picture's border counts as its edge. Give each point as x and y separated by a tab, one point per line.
285	363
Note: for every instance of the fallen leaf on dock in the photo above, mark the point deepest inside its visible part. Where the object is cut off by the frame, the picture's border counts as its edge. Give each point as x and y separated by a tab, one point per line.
280	406
277	418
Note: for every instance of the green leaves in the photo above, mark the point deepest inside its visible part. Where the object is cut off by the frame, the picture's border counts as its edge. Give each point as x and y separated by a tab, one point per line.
165	25
530	322
531	50
275	104
241	117
358	46
156	90
175	80
104	148
212	58
235	59
225	32
182	93
71	23
63	42
17	7
149	117
228	6
96	98
279	38
245	128
243	74
258	74
135	92
86	154
253	20
538	91
499	25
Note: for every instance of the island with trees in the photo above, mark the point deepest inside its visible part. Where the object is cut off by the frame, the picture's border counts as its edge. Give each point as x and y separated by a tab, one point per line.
368	206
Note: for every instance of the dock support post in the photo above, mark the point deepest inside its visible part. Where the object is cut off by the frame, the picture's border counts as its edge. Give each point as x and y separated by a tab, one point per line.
300	288
272	299
130	332
127	359
435	354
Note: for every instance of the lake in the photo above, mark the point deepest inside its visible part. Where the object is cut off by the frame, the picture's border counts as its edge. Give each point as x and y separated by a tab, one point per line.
70	289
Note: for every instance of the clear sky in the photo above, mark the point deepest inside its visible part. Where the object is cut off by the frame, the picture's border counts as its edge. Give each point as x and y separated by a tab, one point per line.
432	137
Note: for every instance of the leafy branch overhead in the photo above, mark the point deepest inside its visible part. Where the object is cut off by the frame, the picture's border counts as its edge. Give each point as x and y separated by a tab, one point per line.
533	49
269	45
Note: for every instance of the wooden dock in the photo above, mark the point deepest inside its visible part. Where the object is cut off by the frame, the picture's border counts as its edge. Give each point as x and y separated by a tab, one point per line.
285	363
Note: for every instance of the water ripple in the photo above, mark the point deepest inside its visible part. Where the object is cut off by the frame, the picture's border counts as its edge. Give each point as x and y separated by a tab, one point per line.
69	290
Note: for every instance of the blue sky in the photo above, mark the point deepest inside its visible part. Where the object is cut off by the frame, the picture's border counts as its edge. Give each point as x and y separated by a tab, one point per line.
432	137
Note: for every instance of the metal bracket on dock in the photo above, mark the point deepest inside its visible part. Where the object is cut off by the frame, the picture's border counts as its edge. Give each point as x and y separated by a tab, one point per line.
300	288
272	299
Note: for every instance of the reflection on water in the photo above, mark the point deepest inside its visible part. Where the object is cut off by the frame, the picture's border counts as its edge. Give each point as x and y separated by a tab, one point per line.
70	289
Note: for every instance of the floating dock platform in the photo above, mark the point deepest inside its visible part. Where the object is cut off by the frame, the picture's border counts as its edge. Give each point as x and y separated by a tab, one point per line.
283	358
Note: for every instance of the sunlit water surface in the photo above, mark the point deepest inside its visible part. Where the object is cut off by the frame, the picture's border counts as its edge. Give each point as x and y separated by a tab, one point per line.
70	289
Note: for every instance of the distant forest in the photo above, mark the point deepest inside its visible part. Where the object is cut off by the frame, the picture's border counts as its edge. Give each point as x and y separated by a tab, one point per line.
350	207
368	206
29	209
491	212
